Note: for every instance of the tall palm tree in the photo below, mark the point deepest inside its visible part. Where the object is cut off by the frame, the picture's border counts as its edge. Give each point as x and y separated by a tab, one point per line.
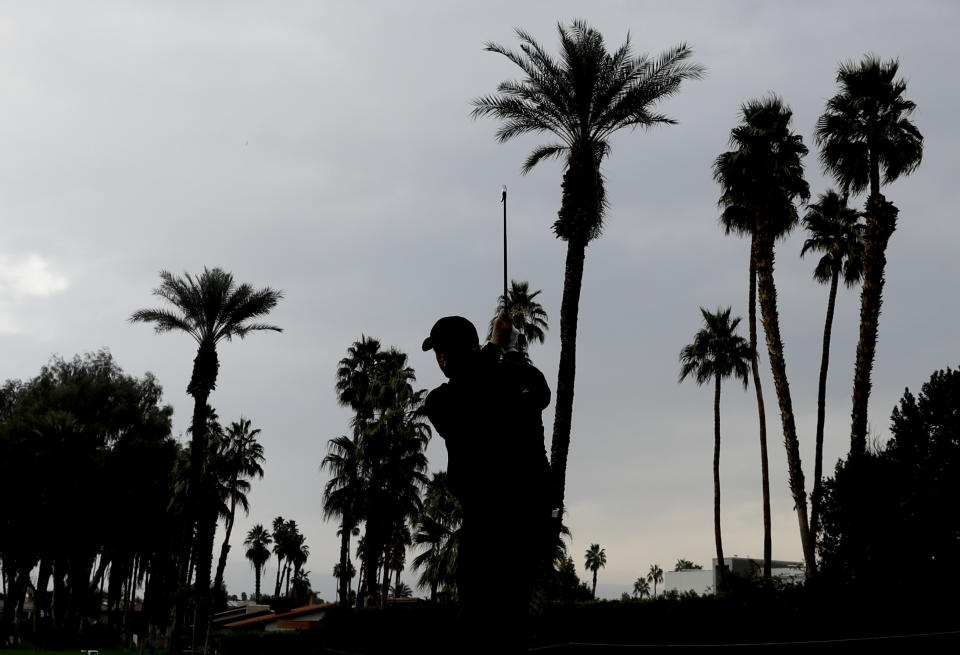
343	497
864	131
834	230
717	352
582	99
529	317
594	560
641	588
655	575
737	219
242	458
257	542
211	308
761	179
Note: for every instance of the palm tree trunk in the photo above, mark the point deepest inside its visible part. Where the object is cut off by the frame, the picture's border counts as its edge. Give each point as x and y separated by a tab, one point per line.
225	548
716	487
594	584
761	414
881	218
344	563
206	532
822	411
778	367
276	592
256	577
203	380
563	417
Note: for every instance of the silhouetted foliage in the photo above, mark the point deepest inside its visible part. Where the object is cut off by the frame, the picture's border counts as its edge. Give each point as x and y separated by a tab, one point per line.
890	519
88	466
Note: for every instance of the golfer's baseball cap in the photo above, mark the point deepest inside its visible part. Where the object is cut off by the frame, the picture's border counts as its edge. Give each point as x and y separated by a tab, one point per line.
452	334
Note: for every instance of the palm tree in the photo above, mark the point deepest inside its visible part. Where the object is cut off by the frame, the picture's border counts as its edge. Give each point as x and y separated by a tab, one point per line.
865	129
836	232
279	548
257	542
401	590
343	497
211	308
241	461
529	317
641	588
595	559
736	219
761	178
582	99
655	575
438	531
717	352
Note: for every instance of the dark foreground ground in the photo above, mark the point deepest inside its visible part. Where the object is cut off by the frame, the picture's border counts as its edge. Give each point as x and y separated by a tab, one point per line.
780	623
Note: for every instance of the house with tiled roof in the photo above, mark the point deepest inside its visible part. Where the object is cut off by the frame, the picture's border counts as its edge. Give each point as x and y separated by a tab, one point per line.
308	617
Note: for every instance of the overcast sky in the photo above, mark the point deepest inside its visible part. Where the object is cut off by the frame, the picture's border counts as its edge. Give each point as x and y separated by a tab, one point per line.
326	149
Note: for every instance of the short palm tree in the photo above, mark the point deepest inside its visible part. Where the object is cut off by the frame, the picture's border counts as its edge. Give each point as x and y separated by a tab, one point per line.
581	99
258	552
641	588
242	457
761	179
279	548
529	317
595	559
655	575
211	308
834	230
866	130
717	352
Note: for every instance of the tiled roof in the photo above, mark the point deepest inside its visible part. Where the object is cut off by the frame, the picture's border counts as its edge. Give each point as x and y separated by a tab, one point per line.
298	611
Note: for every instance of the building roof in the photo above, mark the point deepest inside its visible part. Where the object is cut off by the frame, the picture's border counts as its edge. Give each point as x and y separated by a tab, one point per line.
267	618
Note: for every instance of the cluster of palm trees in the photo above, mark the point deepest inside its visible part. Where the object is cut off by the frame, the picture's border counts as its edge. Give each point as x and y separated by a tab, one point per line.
291	549
641	586
865	130
377	473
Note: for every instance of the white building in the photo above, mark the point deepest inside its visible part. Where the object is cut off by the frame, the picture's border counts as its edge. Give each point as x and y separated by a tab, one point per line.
704	581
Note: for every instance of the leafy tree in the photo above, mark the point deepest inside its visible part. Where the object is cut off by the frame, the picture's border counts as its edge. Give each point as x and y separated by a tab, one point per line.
834	230
686	565
239	459
529	317
595	559
655	575
761	178
582	99
257	542
898	503
717	352
641	588
866	130
84	434
211	308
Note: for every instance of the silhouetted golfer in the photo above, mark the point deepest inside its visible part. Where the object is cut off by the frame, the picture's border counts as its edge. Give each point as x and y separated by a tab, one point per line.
488	413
